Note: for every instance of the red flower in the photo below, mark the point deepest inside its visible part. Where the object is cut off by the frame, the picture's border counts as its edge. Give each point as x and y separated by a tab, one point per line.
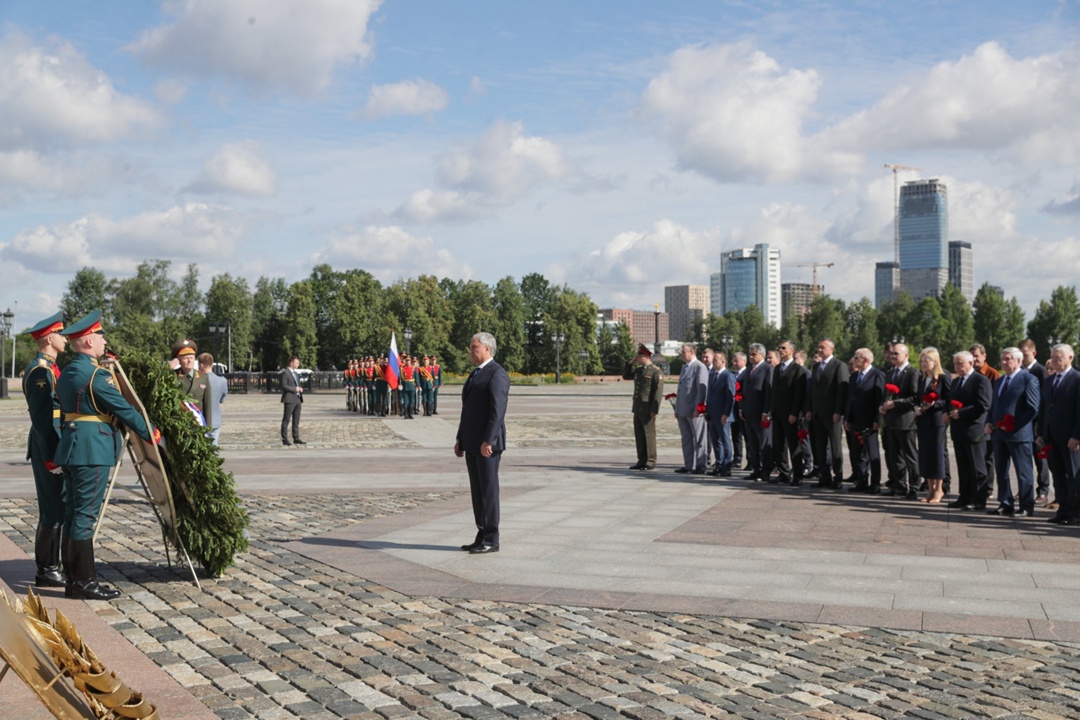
803	434
892	389
930	398
738	386
738	397
860	438
766	423
671	396
1007	423
956	404
1044	452
700	408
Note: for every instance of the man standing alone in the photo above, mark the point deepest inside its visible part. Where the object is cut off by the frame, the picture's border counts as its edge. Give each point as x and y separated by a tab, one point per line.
481	439
648	392
690	409
292	396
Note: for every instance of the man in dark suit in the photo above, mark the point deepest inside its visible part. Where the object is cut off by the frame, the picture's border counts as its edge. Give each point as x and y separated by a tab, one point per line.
481	439
1014	408
738	427
719	406
1059	431
787	403
862	419
970	397
828	401
292	398
756	403
898	413
1042	465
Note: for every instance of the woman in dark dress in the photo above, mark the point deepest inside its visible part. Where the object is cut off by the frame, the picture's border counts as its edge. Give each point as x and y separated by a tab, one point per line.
932	402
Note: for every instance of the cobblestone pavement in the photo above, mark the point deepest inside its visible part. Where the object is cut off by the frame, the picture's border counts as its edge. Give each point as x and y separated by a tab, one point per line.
281	636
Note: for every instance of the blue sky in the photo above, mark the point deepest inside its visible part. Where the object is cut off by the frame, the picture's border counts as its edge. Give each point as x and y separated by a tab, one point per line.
614	146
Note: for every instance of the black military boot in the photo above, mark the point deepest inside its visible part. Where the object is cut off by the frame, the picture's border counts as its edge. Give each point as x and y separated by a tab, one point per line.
47	556
84	584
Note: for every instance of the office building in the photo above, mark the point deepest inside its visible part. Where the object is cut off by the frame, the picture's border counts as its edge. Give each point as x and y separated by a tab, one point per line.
886	283
796	298
961	272
685	305
924	238
642	324
748	276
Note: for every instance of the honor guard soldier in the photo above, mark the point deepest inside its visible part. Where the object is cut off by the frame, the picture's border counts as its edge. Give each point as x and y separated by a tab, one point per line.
39	389
436	374
382	388
367	390
192	382
648	393
90	445
351	391
408	388
427	383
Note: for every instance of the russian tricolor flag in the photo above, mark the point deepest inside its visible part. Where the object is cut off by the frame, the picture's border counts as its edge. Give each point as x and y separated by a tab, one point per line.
393	365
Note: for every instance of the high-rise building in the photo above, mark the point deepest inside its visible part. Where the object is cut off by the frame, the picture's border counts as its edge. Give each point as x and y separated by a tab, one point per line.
886	283
748	276
924	238
796	298
685	304
642	324
961	272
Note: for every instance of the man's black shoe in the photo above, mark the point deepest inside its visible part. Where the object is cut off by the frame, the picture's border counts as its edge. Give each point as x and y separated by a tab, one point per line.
93	590
1002	510
1026	513
956	504
699	471
911	495
50	577
873	490
484	550
298	441
471	546
1057	520
715	472
286	443
682	470
639	466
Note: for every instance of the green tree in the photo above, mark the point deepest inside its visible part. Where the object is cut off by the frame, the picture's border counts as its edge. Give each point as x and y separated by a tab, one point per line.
86	291
616	347
229	302
723	333
573	314
1058	319
473	312
957	323
358	321
927	326
894	321
268	306
861	325
826	318
509	327
997	324
144	309
538	296
301	335
754	329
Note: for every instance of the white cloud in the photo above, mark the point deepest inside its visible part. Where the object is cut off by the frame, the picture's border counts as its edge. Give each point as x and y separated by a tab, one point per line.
987	100
291	44
494	172
477	87
733	114
1067	205
190	232
390	253
53	98
237	168
409	97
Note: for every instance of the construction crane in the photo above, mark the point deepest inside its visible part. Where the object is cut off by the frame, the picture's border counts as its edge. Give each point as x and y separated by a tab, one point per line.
896	207
814	288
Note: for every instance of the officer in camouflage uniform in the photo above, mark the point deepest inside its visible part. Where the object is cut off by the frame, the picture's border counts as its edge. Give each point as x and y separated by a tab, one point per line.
90	444
39	389
648	392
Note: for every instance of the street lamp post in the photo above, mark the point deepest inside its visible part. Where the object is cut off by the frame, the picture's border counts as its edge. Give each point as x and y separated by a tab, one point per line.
656	329
726	342
557	338
225	328
407	334
584	355
7	318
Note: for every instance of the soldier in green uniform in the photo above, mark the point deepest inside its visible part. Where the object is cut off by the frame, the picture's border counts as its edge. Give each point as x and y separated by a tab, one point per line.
648	392
90	445
436	374
194	384
39	389
408	388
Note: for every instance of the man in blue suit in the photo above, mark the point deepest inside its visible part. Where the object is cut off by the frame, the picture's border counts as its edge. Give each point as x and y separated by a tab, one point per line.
719	410
481	439
1011	427
1059	430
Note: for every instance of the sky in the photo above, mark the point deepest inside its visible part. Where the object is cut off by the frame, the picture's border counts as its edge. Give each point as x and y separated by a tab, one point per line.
614	146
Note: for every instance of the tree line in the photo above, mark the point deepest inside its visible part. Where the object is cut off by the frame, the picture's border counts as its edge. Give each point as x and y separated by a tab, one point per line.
948	322
333	315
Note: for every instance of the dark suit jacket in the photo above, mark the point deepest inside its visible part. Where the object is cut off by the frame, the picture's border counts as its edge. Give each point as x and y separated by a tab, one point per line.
289	387
1059	410
483	409
1021	400
787	391
933	414
720	400
975	395
864	399
757	392
1038	370
902	415
828	390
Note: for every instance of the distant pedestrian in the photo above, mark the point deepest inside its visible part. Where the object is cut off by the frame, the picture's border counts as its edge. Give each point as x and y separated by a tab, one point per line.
219	389
292	397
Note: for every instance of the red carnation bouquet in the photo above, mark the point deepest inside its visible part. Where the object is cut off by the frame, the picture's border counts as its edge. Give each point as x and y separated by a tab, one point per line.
891	391
738	391
1007	423
766	422
803	434
1044	452
956	404
670	397
930	398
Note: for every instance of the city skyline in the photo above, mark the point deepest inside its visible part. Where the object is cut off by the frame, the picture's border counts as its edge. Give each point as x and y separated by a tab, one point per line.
618	148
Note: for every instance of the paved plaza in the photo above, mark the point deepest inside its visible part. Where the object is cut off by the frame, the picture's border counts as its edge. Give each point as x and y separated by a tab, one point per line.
616	594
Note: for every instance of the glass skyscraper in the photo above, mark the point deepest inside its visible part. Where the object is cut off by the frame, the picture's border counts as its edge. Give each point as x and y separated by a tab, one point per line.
924	238
748	276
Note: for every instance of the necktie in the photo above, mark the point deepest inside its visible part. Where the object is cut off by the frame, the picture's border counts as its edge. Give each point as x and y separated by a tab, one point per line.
1005	386
1057	381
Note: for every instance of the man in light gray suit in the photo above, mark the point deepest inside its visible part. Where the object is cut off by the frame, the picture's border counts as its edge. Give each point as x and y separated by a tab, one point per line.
690	411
